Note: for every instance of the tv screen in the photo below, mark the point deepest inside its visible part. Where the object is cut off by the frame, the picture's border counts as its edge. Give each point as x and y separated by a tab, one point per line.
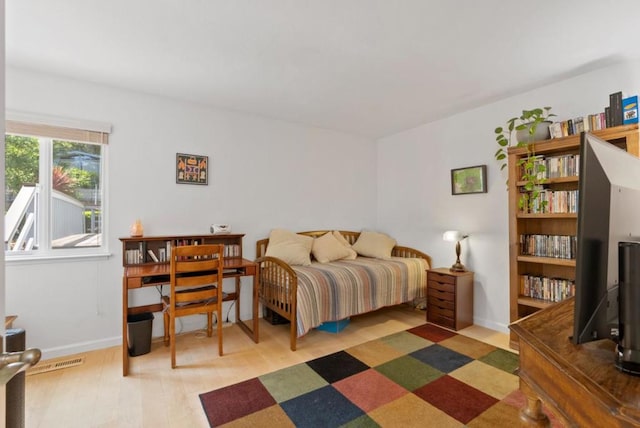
608	213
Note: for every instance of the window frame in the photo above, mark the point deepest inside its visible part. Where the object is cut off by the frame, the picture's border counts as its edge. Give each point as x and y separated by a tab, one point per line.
60	129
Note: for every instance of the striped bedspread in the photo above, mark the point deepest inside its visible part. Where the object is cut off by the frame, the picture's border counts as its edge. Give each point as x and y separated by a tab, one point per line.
337	290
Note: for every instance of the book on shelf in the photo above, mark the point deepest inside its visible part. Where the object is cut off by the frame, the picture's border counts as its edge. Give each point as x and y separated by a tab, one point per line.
553	202
630	110
231	250
545	288
152	255
553	246
555	130
134	256
555	166
615	108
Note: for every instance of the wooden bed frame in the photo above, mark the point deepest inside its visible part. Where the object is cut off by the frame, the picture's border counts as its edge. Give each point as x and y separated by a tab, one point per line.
279	282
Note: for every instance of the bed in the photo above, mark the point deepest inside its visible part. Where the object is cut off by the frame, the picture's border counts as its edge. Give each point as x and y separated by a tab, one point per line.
311	295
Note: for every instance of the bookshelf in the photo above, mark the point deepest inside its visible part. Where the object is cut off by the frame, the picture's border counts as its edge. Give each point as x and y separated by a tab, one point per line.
156	249
542	243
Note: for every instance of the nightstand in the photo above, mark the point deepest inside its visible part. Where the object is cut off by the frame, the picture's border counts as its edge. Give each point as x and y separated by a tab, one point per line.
450	298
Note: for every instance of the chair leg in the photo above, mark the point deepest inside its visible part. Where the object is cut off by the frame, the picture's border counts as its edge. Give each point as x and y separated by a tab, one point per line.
172	341
219	324
166	328
209	324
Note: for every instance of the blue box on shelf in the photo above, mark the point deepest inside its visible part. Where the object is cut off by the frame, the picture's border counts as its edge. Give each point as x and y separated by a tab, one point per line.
334	326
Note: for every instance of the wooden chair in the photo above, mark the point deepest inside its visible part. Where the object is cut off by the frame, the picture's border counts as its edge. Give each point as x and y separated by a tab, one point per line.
196	288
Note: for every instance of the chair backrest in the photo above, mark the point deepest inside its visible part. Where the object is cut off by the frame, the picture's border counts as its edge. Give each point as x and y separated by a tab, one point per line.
195	266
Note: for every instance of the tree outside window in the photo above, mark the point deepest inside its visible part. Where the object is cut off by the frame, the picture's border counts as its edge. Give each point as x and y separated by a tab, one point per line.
53	194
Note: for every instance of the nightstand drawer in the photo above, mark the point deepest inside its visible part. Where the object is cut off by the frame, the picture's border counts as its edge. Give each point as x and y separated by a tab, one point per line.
435	310
440	320
448	288
433	293
447	279
442	303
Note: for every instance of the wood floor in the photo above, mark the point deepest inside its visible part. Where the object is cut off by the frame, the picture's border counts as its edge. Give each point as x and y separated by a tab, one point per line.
95	394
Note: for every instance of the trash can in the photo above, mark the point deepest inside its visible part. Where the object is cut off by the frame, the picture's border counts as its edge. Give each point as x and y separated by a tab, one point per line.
139	328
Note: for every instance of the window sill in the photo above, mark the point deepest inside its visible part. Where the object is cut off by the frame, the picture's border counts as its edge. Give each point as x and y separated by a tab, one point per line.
51	258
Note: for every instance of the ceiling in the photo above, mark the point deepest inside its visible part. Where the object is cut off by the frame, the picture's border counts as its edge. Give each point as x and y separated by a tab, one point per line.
367	67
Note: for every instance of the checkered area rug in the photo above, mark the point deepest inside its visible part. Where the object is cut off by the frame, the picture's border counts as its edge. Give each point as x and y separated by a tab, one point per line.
425	376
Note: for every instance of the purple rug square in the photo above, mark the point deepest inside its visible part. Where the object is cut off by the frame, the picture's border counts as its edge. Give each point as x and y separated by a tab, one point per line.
431	332
222	405
455	398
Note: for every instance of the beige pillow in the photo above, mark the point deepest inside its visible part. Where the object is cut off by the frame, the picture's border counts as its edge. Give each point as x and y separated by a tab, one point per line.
327	249
343	241
290	247
374	244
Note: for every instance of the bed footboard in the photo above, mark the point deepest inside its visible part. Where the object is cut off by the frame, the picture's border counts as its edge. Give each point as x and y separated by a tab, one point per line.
278	290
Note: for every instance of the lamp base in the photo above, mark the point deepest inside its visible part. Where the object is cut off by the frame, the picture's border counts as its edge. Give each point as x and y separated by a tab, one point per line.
458	267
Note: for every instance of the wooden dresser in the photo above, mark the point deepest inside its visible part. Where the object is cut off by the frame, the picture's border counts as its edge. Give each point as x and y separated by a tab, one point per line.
578	382
450	298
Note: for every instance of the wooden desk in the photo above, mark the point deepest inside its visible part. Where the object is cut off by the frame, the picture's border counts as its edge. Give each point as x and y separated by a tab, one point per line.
578	382
148	275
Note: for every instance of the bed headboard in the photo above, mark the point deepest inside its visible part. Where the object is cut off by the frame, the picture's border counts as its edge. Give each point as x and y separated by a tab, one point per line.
351	237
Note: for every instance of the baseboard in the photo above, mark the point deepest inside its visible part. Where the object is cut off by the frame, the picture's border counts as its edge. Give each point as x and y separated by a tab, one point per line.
502	328
78	348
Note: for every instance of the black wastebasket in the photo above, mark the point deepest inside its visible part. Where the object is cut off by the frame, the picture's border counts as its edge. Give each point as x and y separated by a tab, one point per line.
139	333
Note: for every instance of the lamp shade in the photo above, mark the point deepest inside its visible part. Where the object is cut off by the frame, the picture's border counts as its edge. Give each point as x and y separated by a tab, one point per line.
453	235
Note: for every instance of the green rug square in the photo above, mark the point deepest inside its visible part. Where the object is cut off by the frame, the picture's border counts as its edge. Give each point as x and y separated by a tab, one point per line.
406	342
292	382
409	372
501	359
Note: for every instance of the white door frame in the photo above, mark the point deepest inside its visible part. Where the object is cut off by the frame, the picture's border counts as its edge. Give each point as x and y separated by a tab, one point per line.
2	266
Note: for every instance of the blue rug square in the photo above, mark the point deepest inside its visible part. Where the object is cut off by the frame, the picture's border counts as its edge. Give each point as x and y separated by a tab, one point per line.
441	358
330	409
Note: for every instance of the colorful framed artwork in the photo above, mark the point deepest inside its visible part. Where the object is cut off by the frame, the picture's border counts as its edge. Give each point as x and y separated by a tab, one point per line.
467	180
192	169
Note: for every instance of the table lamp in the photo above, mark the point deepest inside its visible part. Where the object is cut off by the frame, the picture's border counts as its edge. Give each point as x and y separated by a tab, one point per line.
455	236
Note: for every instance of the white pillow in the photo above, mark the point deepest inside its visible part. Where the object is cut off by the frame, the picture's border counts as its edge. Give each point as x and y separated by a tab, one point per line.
343	241
290	247
374	244
327	249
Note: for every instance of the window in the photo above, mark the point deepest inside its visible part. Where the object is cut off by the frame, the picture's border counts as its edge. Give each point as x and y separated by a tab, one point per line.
54	190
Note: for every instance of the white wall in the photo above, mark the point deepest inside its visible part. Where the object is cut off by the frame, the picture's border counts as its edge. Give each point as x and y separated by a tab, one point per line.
264	174
414	191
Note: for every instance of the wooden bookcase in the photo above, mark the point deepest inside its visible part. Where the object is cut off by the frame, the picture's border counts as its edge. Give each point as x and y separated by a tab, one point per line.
555	224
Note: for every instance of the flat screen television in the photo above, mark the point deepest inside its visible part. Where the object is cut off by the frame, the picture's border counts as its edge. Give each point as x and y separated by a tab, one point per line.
608	213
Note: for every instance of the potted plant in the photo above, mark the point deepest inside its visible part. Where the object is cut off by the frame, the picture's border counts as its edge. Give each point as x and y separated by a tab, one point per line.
530	126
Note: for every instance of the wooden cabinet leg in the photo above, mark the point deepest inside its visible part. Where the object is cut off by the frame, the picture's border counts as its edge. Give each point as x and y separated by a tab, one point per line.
532	413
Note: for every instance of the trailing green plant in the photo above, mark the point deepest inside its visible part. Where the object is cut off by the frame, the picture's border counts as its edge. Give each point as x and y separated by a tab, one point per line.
532	171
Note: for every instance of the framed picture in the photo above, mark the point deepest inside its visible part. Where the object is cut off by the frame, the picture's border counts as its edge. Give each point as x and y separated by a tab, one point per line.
192	169
472	179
